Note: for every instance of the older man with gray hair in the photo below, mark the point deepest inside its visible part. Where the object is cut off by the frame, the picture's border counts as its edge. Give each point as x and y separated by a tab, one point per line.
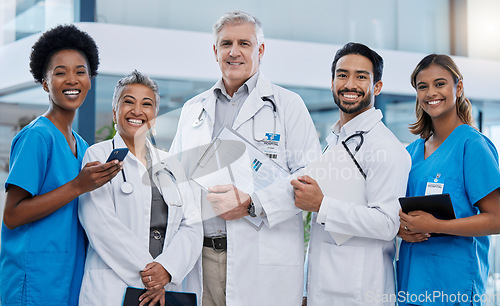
253	247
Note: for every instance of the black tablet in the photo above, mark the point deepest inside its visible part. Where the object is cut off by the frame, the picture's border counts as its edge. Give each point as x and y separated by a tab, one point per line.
438	205
172	298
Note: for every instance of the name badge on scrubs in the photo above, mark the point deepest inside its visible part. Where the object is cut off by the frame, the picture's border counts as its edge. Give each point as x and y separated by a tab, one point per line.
435	185
271	143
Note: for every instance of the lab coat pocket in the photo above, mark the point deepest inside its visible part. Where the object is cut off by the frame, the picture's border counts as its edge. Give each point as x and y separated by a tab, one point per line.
43	272
283	245
341	270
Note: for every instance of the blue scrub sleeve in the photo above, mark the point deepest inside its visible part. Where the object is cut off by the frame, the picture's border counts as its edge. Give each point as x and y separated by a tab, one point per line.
28	162
481	172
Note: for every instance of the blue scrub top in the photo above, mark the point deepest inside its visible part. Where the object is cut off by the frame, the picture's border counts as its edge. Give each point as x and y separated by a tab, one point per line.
41	263
467	163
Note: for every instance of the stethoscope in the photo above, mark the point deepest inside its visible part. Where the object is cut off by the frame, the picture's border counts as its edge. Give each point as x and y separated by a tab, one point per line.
128	188
200	119
356	149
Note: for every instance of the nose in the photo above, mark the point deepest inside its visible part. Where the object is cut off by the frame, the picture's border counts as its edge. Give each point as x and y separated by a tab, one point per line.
234	51
351	82
71	78
137	110
431	91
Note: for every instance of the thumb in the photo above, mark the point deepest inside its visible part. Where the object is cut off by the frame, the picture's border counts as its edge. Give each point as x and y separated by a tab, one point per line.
307	179
221	188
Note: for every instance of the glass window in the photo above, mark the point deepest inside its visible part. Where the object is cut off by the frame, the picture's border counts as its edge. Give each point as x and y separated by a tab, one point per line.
388	24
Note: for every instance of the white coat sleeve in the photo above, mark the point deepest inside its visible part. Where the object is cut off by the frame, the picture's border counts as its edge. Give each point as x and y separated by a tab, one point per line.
115	243
386	181
180	254
301	148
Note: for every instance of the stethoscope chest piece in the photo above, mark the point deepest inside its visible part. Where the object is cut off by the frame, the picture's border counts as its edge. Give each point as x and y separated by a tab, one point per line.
127	188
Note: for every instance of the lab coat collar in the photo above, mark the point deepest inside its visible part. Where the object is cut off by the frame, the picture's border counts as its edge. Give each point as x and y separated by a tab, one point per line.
254	101
363	122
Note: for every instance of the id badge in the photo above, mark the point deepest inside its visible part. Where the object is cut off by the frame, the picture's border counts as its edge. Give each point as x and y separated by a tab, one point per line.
270	147
435	185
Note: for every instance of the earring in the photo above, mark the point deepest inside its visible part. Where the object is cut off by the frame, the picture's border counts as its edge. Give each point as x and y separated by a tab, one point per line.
153	131
115	126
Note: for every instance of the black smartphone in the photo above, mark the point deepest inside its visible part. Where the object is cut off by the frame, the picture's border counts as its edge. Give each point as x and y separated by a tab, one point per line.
118	154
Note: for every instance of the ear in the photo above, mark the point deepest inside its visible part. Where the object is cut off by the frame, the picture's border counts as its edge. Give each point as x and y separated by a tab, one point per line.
215	53
114	116
45	85
377	88
460	88
261	51
332	85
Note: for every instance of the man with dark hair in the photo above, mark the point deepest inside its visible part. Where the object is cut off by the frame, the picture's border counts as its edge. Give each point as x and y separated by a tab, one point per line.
352	239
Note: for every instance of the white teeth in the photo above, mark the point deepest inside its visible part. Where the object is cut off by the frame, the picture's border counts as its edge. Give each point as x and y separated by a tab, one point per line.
350	96
433	102
71	92
235	64
135	121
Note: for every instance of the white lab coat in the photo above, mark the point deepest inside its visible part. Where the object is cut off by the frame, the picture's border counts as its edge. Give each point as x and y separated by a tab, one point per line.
360	271
264	267
117	225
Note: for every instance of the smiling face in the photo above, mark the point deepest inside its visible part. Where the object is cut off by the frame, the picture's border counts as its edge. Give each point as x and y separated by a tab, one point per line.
352	86
437	92
135	113
67	80
238	54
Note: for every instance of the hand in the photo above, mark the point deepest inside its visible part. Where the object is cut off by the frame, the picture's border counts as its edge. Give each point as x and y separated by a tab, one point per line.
95	174
154	276
308	194
228	202
419	221
410	236
152	297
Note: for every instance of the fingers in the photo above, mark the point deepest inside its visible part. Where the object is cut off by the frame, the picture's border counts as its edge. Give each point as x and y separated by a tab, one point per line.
306	179
221	188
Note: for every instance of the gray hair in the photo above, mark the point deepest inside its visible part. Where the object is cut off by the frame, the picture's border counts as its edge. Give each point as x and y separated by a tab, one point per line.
136	77
238	17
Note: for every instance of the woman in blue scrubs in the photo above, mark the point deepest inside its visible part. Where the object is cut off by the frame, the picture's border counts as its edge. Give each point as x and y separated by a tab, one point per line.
43	244
450	157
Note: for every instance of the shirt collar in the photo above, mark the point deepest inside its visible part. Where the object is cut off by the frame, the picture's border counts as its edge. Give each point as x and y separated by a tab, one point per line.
248	86
363	122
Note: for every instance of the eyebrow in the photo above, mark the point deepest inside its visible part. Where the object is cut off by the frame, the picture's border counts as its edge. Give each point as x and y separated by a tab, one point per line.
129	96
64	67
439	79
357	71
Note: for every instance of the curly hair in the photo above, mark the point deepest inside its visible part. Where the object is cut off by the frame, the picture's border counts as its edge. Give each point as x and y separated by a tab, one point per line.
62	37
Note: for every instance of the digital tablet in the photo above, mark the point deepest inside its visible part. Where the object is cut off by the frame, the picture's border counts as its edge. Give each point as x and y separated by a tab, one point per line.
438	205
172	298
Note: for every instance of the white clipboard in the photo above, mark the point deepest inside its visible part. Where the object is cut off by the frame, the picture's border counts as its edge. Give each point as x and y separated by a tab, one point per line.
231	159
339	178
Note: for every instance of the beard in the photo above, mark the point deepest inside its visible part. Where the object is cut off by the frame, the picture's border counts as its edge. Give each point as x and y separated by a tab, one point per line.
353	108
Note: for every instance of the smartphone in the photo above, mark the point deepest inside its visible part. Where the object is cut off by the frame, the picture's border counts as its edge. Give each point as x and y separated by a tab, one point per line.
118	154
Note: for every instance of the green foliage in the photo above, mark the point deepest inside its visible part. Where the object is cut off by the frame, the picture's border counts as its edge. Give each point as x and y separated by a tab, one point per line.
106	132
307	218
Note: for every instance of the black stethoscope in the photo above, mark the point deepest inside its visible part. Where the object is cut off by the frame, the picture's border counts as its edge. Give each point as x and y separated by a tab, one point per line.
356	149
128	188
199	120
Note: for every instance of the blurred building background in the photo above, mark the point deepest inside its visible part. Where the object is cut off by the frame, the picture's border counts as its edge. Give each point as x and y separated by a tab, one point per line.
172	42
